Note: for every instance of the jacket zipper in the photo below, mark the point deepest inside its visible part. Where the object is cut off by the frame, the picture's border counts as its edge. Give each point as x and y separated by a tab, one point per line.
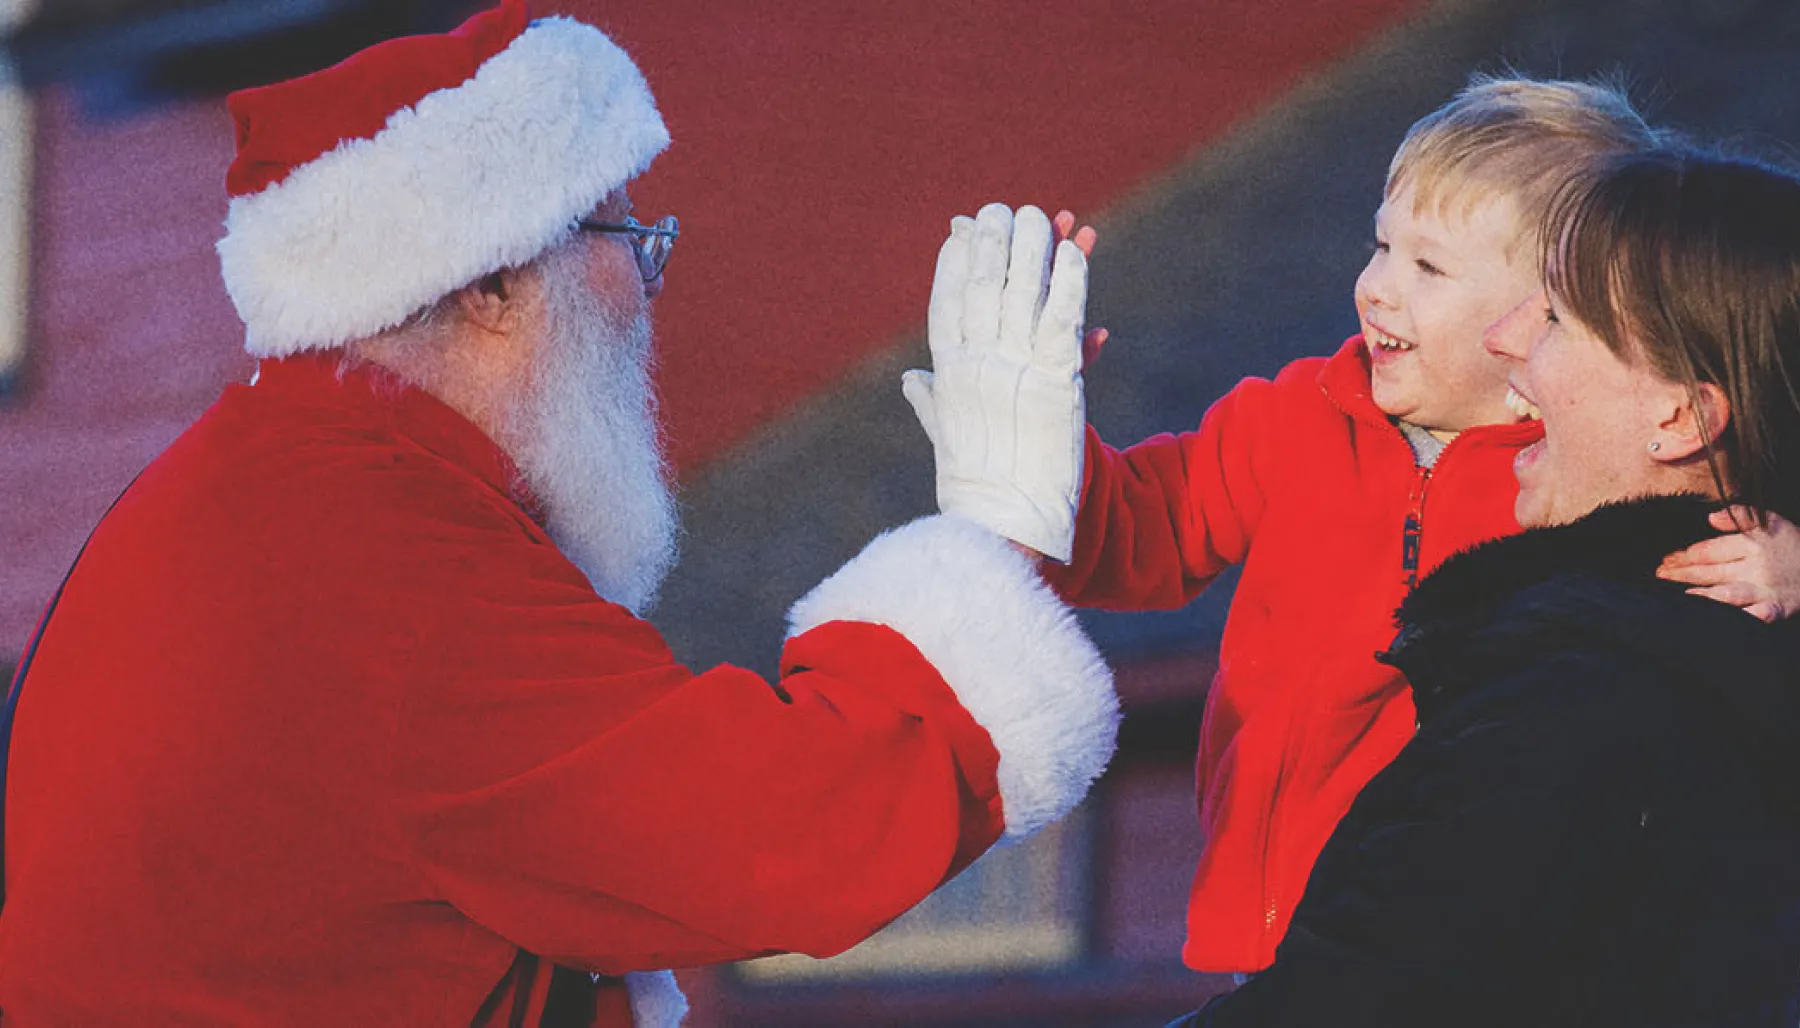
1271	893
1413	529
1412	532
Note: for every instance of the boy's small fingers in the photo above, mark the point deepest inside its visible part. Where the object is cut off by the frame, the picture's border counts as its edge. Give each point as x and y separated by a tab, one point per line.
1692	574
1731	518
1090	346
1719	550
1735	594
1086	238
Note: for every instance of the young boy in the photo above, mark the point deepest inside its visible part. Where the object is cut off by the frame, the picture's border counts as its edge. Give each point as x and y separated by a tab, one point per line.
1337	486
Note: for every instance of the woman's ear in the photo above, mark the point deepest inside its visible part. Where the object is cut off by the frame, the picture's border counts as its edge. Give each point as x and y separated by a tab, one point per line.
490	303
1697	419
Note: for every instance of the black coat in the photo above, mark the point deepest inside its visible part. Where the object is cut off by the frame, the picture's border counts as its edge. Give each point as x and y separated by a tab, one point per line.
1598	822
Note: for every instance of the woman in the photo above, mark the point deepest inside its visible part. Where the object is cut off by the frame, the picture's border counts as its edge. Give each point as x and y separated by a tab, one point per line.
1598	822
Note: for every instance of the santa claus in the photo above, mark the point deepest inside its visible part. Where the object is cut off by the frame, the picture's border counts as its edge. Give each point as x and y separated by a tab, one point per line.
347	715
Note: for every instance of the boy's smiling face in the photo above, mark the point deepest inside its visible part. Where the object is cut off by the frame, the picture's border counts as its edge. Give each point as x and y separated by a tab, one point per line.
1437	279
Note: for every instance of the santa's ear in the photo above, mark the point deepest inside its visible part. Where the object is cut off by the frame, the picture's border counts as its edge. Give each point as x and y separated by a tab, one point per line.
491	302
1696	419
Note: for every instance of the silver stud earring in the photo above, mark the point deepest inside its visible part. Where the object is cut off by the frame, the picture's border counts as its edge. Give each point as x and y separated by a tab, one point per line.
1655	447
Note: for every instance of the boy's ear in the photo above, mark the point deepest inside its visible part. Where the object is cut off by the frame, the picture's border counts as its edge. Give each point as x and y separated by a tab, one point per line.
1696	420
490	302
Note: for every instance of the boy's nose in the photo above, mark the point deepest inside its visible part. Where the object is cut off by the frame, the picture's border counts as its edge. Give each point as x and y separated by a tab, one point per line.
1372	286
1513	334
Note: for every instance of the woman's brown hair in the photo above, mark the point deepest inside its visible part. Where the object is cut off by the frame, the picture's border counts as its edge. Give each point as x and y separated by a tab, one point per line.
1690	260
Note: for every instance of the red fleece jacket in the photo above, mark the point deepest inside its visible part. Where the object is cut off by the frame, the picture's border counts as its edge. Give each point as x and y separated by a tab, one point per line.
1316	493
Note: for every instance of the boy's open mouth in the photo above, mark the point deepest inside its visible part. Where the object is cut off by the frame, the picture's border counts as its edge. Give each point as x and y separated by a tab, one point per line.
1524	409
1383	340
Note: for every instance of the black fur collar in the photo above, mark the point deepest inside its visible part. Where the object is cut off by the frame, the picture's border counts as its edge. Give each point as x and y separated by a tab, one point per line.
1621	541
1596	579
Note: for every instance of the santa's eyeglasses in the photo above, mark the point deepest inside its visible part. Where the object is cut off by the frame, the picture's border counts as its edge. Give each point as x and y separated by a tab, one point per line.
650	243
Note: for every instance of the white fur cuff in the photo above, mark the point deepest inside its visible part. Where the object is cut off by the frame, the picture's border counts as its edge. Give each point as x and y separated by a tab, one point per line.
1013	653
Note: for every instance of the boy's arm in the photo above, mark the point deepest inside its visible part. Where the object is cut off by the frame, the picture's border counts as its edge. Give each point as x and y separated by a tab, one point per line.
1160	519
1753	567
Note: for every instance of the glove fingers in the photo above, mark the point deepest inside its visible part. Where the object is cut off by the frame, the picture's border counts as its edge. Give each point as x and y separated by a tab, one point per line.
1057	344
944	315
916	387
987	276
1026	276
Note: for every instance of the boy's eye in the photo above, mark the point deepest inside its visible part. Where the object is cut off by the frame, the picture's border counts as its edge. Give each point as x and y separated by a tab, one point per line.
1550	317
1428	268
1379	245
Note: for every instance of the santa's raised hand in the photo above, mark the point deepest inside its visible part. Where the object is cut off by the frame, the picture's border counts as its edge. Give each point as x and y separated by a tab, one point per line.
1003	403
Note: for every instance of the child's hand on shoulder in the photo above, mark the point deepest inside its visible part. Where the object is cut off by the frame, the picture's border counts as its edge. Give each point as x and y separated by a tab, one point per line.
1756	568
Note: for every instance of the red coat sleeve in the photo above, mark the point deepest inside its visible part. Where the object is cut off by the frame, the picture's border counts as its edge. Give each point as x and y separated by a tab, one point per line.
1159	520
566	784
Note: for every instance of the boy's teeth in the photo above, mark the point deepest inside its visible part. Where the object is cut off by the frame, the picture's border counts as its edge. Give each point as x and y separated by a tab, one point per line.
1522	407
1385	341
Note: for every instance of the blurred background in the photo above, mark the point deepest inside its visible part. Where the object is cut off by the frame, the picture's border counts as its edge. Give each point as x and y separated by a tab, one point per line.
1231	153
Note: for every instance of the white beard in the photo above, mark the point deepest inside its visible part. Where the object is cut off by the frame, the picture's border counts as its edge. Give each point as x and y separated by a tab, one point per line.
586	437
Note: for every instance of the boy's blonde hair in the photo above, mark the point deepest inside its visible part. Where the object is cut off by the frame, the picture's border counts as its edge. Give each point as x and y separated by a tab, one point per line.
1518	138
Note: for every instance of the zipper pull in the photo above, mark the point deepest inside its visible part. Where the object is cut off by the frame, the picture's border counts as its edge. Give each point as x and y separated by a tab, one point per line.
1414	528
1409	550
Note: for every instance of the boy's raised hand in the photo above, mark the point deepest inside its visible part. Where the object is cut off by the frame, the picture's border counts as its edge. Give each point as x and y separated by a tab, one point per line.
1757	568
1003	404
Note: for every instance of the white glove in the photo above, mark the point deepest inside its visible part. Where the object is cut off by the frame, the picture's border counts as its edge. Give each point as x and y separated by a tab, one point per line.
1002	404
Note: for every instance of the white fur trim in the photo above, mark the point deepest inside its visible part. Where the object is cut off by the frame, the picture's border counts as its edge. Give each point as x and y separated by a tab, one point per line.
656	1000
483	176
1013	653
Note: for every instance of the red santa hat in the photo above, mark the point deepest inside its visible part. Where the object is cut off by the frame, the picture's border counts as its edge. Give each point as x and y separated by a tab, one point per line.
364	192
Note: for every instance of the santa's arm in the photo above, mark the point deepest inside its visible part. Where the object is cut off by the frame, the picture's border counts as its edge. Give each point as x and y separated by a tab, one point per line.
934	696
1012	654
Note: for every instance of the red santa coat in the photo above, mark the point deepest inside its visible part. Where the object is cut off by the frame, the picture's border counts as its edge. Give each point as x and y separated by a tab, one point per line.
1306	483
325	730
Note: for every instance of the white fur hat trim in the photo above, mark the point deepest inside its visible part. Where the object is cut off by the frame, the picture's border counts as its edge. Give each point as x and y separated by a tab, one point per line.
470	180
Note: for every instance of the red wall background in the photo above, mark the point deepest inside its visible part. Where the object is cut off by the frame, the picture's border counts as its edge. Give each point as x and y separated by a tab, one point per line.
820	150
